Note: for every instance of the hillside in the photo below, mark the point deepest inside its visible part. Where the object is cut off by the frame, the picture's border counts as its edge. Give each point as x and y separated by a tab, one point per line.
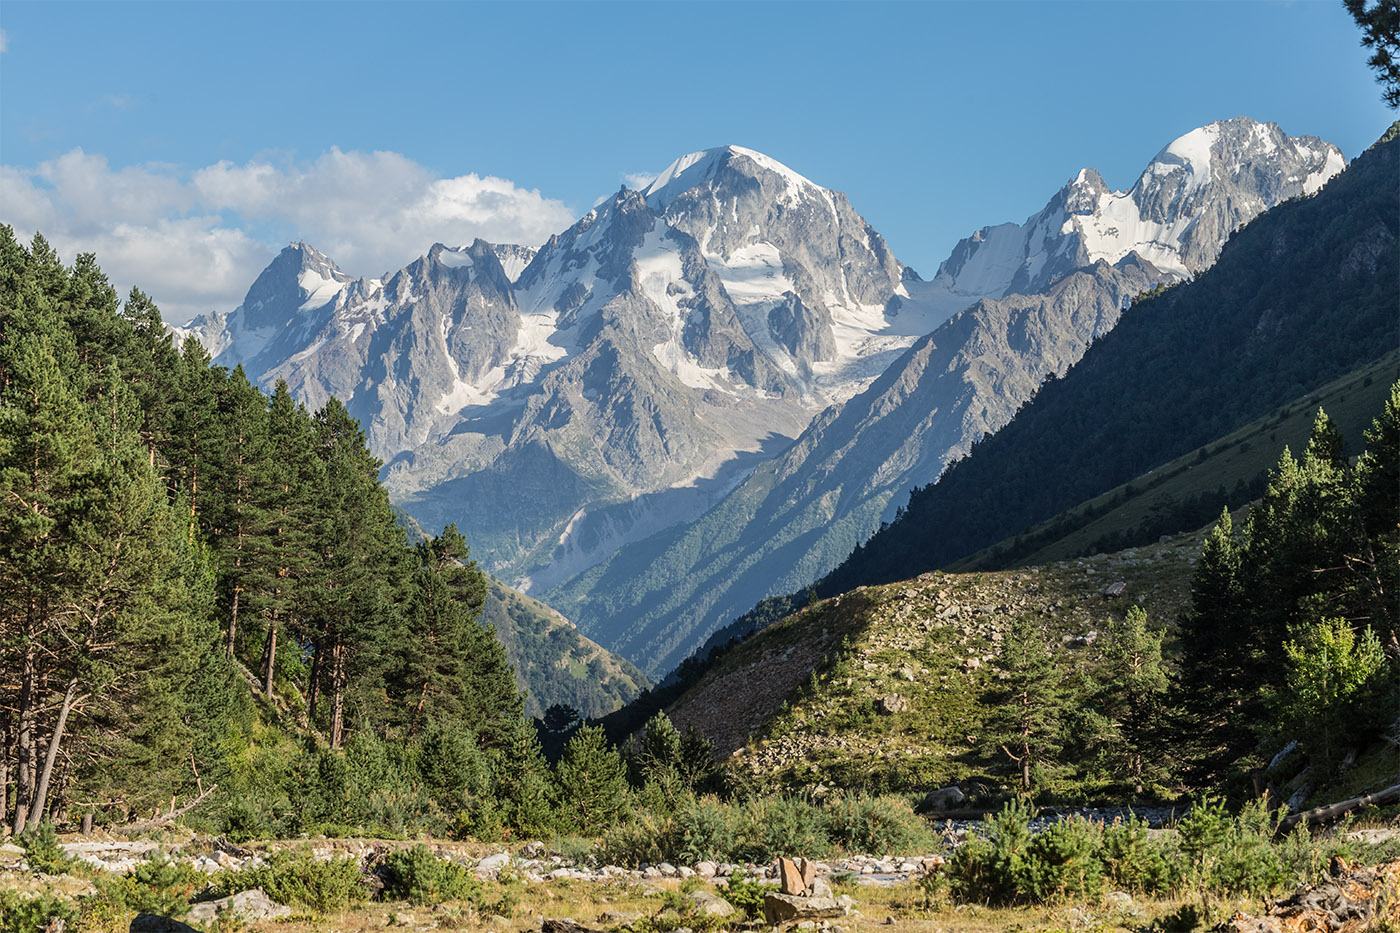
1192	489
1304	294
554	663
799	704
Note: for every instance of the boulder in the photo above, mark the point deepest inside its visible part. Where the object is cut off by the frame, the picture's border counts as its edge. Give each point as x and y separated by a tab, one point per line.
790	876
945	798
808	869
711	905
893	703
564	926
249	905
787	908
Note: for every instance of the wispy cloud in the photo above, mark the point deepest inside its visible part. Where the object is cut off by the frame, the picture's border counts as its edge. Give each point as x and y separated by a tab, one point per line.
638	180
4	41
195	240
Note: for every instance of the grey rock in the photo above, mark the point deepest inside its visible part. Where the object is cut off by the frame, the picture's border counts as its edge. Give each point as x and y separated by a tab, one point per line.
893	703
250	905
711	905
155	923
784	908
945	798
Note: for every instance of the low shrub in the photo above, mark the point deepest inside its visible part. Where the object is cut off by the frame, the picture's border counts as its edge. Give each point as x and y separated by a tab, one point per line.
774	826
418	876
704	829
160	885
299	879
747	895
40	912
1231	855
878	826
41	849
1134	861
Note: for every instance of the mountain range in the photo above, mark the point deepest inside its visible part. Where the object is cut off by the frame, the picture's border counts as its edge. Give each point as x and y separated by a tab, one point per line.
710	390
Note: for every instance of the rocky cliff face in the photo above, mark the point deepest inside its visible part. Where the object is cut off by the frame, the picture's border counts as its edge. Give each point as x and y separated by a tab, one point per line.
1040	293
641	370
559	402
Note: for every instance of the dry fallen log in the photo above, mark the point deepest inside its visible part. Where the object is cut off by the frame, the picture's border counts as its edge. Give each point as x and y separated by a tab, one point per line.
1335	811
146	825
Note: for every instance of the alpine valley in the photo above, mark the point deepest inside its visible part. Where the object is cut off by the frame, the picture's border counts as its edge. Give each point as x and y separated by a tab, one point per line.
711	390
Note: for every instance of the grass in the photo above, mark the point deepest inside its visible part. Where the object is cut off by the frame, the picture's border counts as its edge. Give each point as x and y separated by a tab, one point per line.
526	905
931	642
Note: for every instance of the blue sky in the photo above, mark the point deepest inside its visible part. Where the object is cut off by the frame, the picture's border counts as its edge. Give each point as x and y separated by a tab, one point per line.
185	143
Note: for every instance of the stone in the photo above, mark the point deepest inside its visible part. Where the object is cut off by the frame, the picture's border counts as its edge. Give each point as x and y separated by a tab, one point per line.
1119	900
808	869
893	703
820	888
945	798
706	869
667	870
711	905
565	925
784	908
790	877
493	863
249	905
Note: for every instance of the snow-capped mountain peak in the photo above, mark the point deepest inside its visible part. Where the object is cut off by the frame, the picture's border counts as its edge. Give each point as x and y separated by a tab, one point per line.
1195	192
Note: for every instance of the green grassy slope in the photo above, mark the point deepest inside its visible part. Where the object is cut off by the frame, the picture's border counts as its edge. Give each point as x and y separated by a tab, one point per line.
797	704
553	661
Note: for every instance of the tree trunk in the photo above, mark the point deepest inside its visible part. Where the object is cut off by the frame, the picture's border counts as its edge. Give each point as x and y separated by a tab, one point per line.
36	809
25	745
338	696
271	657
233	618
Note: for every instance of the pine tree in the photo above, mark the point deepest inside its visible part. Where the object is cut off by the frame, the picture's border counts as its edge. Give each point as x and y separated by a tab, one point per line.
592	782
1378	504
361	551
1029	705
49	465
1134	686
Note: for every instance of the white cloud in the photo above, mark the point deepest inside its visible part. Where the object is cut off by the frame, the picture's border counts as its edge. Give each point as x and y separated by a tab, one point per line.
638	180
4	41
195	240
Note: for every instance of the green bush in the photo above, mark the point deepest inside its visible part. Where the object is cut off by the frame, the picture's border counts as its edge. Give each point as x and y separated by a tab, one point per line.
1063	861
775	826
41	849
878	826
1231	855
299	879
993	868
1133	861
747	895
420	877
704	830
638	840
23	914
161	885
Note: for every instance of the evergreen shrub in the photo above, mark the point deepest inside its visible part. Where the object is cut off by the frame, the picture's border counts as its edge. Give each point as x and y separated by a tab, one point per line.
299	879
418	876
41	849
38	912
877	825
